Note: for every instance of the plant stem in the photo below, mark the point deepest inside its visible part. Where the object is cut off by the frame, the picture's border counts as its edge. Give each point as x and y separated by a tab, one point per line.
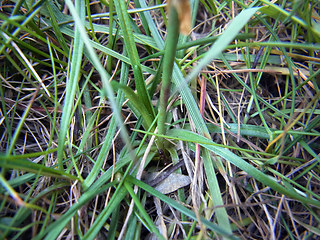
168	61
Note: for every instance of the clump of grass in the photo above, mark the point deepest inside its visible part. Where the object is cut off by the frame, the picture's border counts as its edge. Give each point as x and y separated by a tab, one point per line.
98	96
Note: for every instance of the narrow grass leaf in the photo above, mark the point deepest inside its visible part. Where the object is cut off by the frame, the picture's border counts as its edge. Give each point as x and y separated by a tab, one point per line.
215	228
142	211
72	81
53	19
106	212
19	26
55	228
240	163
26	165
100	185
224	40
105	77
19	126
110	134
130	45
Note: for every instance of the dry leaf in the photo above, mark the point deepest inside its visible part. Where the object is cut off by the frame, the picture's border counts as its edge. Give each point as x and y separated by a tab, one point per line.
184	14
172	183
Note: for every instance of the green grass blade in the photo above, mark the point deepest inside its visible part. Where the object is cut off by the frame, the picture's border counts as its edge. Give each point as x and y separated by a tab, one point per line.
55	228
107	90
240	163
215	228
20	125
168	61
72	81
130	45
142	211
22	164
56	28
103	216
224	40
110	134
100	185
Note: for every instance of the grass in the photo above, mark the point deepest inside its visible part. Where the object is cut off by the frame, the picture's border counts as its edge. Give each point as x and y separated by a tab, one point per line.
97	95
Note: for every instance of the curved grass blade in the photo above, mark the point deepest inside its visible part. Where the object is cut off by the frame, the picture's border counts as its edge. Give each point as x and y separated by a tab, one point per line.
105	77
224	40
100	185
109	136
240	163
142	210
215	228
130	45
25	165
72	81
